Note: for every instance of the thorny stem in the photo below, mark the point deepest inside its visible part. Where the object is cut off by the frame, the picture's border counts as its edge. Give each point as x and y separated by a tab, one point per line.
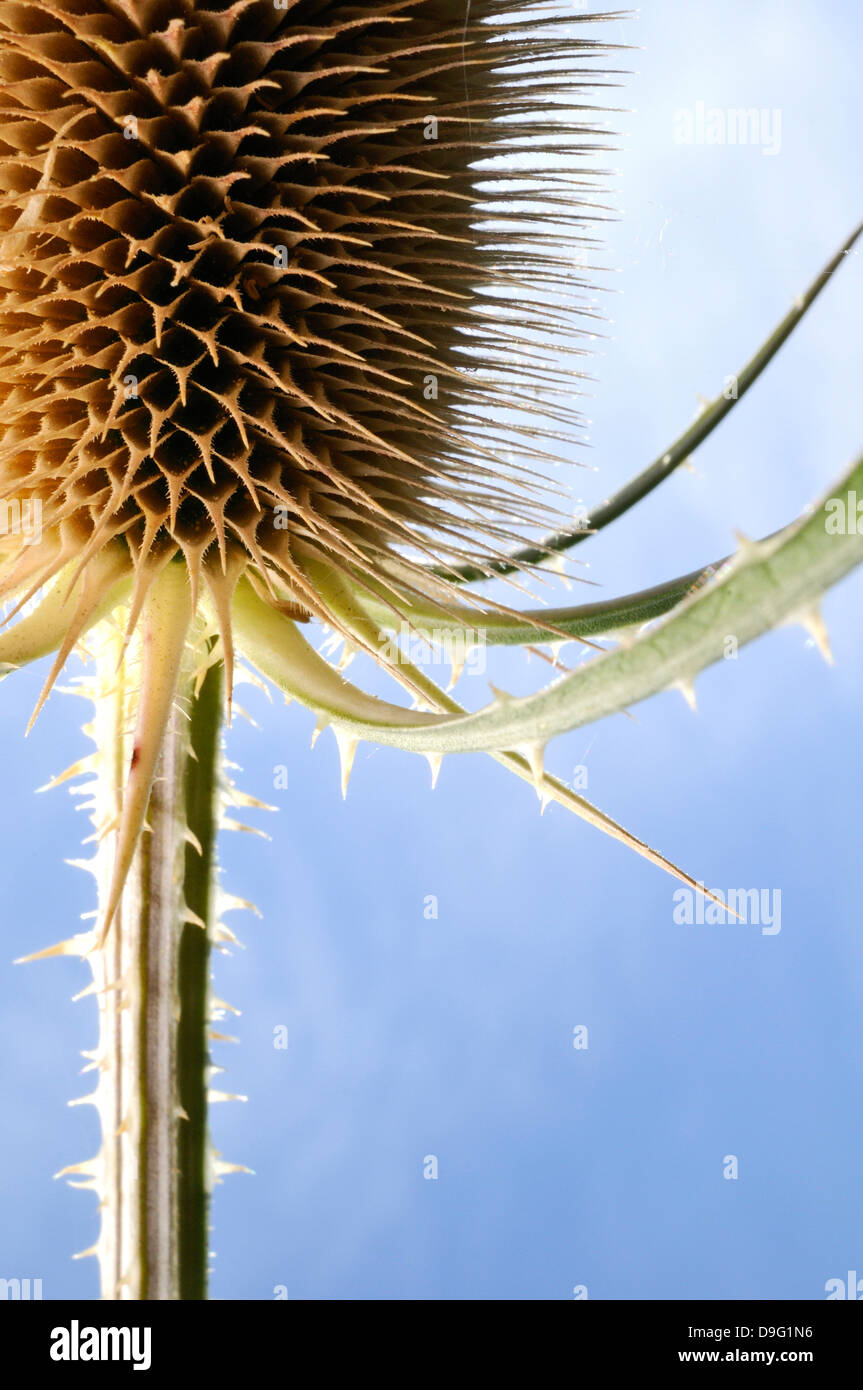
194	1182
153	983
155	924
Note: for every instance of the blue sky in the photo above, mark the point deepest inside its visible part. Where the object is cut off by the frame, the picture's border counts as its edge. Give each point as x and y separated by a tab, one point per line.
452	1037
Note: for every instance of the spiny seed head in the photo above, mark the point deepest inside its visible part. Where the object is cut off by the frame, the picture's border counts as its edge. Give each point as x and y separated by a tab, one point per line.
258	295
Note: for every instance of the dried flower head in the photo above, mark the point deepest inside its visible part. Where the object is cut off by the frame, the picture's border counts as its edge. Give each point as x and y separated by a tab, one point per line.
259	298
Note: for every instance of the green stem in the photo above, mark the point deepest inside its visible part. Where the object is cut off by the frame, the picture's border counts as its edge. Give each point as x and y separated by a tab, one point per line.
152	983
202	781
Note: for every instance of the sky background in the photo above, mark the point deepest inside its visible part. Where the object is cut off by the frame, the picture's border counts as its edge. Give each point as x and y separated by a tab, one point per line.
452	1037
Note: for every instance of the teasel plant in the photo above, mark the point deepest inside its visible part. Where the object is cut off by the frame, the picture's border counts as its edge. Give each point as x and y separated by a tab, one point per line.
294	298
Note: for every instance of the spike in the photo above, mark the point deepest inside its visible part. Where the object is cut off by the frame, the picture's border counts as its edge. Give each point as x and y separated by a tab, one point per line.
347	745
77	769
747	548
533	754
349	651
79	945
222	1169
322	723
238	798
88	865
458	657
224	933
244	714
191	839
217	1097
434	761
556	564
228	823
223	1004
229	902
687	690
811	620
91	988
90	1166
91	1099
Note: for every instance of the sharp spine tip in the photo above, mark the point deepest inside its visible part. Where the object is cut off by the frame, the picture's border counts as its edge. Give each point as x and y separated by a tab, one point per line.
347	745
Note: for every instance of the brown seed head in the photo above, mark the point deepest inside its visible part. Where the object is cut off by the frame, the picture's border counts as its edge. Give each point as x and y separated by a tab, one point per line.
255	293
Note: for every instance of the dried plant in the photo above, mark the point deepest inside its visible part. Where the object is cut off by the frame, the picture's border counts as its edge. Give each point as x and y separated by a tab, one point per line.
291	295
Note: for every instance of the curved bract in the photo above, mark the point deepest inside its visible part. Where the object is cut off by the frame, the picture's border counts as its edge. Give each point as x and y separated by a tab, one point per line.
764	584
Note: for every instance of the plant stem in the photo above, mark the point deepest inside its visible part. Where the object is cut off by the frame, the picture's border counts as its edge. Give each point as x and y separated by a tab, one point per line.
202	783
152	981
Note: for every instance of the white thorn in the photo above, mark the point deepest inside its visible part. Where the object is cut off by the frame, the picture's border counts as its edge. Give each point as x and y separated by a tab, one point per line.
235	797
533	756
228	823
78	945
92	1099
556	564
812	622
84	765
92	988
229	902
222	1169
349	651
457	660
90	1167
347	744
747	549
500	695
223	933
88	865
322	723
244	714
223	1004
687	690
434	761
191	839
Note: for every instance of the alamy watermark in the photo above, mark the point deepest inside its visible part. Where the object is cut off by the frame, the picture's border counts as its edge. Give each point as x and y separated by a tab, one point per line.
760	127
844	515
463	650
22	519
23	1290
850	1288
77	1343
758	907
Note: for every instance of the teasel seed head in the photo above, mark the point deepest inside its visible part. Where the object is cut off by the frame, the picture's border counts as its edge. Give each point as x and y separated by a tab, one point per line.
264	296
